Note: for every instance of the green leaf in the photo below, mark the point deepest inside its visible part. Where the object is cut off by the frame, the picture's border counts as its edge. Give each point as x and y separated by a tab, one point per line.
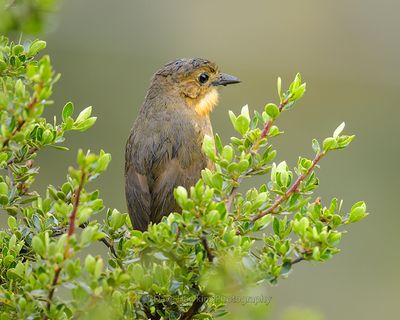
90	263
242	124
357	212
181	195
298	93
84	125
209	147
279	87
36	46
38	246
286	267
117	219
12	222
84	114
18	49
295	84
272	110
227	153
243	165
3	199
233	118
68	110
245	112
218	143
329	144
275	226
344	141
3	188
315	145
263	222
213	217
339	130
316	253
59	147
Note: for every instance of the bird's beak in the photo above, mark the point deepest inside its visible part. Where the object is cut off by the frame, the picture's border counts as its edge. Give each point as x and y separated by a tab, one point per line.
225	79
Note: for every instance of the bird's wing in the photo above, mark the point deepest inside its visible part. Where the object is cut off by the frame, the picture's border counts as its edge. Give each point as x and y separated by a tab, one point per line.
171	173
137	197
155	164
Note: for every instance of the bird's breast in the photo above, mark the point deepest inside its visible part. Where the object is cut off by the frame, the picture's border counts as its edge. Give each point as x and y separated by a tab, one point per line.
205	104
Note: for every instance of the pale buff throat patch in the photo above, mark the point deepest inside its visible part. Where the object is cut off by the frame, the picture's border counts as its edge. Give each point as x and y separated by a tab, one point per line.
207	103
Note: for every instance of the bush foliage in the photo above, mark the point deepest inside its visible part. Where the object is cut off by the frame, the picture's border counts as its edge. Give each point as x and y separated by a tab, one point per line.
225	239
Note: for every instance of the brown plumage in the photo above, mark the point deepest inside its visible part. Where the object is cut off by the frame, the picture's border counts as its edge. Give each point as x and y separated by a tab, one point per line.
163	150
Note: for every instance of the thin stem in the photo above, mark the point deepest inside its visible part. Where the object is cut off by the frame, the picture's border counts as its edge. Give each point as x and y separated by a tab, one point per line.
199	301
77	195
268	125
201	298
231	196
21	123
109	246
210	255
291	190
254	150
14	160
71	231
297	260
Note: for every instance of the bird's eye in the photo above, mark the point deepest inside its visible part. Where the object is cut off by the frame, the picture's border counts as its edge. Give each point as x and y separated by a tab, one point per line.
203	78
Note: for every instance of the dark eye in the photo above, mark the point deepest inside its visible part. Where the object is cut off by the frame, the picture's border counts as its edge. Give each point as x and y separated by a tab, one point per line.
203	78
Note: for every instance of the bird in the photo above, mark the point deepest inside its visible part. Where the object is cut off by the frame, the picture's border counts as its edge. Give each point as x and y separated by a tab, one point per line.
164	147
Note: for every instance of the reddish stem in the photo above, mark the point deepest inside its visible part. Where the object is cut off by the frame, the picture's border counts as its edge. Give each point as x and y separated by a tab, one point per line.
269	124
72	217
21	123
71	231
254	149
291	190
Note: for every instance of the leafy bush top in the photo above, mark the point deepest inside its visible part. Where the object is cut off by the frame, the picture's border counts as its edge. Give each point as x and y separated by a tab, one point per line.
224	241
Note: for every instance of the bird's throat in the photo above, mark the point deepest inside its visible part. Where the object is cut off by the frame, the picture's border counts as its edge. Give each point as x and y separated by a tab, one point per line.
206	103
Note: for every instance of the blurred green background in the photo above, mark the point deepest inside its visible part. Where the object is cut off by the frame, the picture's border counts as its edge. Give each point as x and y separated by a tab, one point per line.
348	52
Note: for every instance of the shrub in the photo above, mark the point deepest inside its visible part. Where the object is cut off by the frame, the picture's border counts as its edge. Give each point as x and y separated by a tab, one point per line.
224	241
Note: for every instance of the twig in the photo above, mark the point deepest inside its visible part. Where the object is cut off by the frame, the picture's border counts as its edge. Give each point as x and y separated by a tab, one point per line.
199	301
77	195
231	197
210	255
110	246
201	298
268	125
113	252
30	105
71	231
14	160
297	260
254	150
291	190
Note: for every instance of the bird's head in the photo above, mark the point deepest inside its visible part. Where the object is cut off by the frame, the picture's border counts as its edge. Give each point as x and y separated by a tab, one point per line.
196	80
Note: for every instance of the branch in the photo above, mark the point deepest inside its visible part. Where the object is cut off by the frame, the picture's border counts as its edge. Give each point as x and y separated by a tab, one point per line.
231	196
297	260
210	255
291	190
199	301
21	123
201	298
14	160
269	124
77	195
110	246
71	231
254	150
